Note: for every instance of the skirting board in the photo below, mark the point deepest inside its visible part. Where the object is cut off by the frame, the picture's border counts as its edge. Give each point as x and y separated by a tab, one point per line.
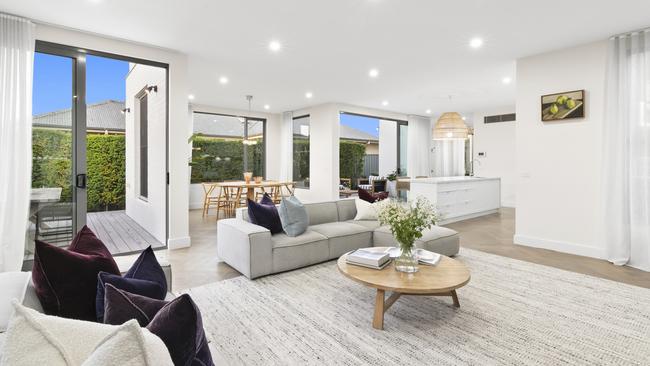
559	246
466	217
178	243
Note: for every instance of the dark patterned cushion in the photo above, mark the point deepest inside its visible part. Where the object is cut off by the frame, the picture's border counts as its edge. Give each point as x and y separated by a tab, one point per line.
66	279
146	277
265	214
178	323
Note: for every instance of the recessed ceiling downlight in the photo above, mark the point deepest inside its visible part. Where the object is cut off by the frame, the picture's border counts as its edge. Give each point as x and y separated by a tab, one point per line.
223	80
309	95
373	73
384	103
506	80
275	46
476	42
190	97
267	107
428	111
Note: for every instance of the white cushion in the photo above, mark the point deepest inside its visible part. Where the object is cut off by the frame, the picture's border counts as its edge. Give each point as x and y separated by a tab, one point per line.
13	285
365	210
33	338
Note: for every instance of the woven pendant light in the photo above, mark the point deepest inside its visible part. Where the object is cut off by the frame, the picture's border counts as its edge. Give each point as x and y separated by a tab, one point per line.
450	126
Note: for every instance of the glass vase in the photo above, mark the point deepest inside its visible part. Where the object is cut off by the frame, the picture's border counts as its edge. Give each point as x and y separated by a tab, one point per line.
407	261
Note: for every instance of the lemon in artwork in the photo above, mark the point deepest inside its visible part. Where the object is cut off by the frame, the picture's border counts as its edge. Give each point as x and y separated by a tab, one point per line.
570	103
554	108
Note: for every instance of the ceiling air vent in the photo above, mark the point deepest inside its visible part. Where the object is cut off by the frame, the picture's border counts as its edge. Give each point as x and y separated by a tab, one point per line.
500	118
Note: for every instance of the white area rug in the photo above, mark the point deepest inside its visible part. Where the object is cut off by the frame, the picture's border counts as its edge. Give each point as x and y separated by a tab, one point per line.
512	313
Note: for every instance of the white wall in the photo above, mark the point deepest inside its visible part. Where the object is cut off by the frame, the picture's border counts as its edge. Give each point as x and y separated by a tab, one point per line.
179	123
558	163
387	147
273	129
498	142
149	212
324	130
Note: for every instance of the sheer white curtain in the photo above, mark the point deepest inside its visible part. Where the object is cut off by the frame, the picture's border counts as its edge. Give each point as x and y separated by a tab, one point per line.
449	158
626	163
418	146
16	64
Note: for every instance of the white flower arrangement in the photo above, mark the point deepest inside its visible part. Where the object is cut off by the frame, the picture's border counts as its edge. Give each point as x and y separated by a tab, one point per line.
407	220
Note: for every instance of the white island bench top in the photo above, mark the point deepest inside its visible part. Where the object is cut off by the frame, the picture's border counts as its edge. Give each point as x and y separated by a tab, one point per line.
437	180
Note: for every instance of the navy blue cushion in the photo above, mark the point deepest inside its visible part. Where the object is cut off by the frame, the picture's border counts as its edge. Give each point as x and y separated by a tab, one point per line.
265	214
146	277
178	323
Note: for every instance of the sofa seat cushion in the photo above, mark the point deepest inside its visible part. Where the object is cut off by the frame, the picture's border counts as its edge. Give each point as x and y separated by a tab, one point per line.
283	240
370	224
436	239
344	237
299	251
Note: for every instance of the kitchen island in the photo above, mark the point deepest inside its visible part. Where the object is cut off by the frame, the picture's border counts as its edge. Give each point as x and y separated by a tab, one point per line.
459	198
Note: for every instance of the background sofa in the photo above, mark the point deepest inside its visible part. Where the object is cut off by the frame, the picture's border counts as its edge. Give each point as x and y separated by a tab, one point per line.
332	231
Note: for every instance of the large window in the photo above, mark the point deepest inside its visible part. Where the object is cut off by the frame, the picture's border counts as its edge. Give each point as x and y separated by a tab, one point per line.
371	146
226	146
143	161
301	151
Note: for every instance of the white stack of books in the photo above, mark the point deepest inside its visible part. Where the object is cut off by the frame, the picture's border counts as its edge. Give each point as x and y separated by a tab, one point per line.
427	257
368	258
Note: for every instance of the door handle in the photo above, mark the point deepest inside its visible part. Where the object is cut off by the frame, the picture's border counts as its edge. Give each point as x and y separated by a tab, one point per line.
81	181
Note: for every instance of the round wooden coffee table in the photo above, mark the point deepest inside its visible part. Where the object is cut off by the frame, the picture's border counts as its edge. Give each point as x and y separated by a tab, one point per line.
440	280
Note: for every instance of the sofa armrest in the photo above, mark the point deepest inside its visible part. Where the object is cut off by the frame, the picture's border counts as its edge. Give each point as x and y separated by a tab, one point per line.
245	247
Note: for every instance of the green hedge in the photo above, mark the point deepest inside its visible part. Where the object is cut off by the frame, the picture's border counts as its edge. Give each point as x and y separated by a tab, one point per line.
301	161
52	167
351	160
215	159
106	172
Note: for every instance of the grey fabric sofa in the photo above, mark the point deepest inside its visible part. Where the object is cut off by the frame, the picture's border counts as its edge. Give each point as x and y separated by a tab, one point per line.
332	231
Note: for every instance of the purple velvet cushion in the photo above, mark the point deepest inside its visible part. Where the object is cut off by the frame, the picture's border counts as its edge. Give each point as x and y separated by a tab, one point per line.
178	323
121	306
146	277
372	197
265	214
66	279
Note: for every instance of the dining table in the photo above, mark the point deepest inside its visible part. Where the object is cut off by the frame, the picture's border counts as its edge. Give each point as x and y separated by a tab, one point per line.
252	186
40	197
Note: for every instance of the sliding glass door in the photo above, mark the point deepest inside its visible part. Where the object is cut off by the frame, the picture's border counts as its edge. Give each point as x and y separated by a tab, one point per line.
54	217
99	149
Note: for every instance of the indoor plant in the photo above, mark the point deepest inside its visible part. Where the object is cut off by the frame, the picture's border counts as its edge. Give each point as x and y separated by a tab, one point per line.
407	220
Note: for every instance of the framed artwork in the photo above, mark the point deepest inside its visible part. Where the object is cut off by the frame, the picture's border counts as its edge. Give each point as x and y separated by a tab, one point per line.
562	106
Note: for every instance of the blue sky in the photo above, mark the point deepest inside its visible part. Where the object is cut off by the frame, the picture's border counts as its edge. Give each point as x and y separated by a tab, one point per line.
105	80
366	124
53	81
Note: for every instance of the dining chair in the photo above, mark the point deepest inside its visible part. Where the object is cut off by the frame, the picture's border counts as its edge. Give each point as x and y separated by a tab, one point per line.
226	201
210	200
378	185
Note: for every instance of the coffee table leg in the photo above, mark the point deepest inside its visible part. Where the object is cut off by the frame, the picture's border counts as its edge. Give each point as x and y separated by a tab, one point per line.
454	296
378	319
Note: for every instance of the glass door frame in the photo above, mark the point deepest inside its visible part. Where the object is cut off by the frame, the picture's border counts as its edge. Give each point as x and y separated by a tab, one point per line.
399	148
78	129
78	113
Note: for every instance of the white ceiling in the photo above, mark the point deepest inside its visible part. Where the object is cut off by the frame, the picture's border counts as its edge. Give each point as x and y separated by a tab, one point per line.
419	46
